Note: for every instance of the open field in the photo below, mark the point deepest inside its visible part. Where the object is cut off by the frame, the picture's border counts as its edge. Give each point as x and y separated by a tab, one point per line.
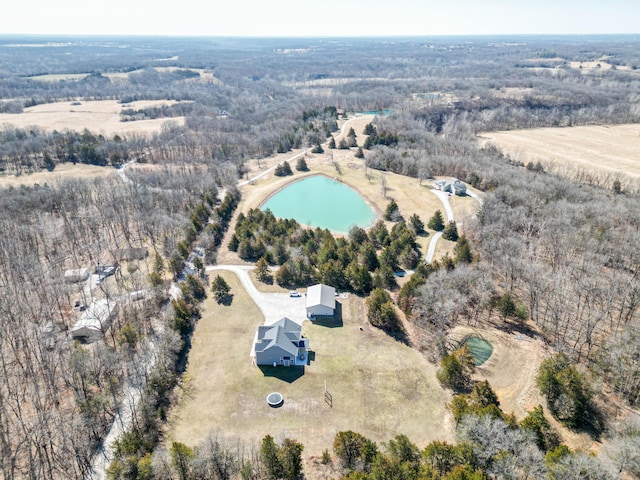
206	76
609	150
64	170
380	387
100	116
512	370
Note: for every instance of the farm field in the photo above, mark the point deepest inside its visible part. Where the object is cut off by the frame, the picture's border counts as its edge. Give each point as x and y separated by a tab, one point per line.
65	170
380	387
607	150
100	116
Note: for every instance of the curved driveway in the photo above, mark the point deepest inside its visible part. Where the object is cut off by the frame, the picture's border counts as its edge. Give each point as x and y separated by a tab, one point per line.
274	306
444	198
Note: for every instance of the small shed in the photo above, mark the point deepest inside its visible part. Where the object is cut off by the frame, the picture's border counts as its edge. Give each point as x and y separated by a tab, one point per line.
96	319
76	275
321	301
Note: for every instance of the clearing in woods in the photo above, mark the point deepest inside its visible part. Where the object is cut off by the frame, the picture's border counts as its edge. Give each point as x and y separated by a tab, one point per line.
99	116
611	150
380	387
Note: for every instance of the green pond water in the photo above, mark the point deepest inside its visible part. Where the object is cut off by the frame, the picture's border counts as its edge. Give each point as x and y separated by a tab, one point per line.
319	201
386	111
480	349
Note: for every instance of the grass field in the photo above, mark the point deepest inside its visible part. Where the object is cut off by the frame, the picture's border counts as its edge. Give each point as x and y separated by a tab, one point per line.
65	170
100	116
608	150
380	387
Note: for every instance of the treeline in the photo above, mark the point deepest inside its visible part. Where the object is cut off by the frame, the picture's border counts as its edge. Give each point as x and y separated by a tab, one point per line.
26	151
490	444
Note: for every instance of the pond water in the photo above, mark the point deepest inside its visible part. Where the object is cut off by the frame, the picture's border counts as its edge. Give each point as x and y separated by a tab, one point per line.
319	201
386	111
480	349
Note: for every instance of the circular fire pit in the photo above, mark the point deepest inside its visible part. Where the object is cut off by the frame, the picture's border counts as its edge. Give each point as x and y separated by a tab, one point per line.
275	399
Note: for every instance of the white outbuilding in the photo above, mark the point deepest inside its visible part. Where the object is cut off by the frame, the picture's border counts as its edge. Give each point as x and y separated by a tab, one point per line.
76	275
321	301
96	319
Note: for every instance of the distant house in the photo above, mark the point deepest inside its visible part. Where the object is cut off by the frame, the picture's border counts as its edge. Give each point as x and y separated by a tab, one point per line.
452	186
321	301
96	319
281	343
76	275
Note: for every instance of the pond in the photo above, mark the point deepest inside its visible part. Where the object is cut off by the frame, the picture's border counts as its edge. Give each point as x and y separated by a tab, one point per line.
319	201
480	349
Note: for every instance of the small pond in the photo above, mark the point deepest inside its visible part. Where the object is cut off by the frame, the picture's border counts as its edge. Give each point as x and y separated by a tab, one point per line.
319	201
480	349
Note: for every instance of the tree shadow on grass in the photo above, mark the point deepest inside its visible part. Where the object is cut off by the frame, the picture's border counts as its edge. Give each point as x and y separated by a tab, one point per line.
399	335
286	374
226	301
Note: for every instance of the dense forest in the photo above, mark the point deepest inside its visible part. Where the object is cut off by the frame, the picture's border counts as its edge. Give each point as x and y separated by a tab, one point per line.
555	254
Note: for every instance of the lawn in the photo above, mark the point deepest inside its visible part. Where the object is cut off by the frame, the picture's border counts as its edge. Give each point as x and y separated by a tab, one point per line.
380	387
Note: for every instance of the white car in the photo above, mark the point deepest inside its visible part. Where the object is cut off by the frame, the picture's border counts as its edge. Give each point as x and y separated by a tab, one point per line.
294	294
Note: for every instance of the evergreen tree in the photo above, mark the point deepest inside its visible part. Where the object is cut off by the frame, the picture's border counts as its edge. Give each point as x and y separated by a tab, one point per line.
546	437
359	153
392	212
332	143
380	311
462	251
284	276
369	129
416	224
220	289
290	457
181	457
436	222
270	460
301	164
262	270
316	149
450	232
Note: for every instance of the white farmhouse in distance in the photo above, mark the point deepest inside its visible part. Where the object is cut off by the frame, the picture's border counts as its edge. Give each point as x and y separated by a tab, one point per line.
321	301
452	186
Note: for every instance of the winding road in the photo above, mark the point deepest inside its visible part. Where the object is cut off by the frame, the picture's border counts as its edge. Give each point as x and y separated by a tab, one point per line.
444	198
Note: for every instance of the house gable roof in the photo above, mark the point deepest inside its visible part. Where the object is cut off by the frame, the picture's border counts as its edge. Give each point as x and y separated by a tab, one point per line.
321	295
281	334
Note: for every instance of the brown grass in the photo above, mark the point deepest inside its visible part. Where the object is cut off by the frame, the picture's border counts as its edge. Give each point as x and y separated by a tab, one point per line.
100	116
611	150
380	387
64	170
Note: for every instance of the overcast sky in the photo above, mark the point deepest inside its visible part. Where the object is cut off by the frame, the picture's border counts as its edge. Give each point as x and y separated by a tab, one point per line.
320	18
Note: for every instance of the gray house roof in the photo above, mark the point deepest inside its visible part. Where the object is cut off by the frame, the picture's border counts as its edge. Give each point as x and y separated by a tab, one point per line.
321	295
285	334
